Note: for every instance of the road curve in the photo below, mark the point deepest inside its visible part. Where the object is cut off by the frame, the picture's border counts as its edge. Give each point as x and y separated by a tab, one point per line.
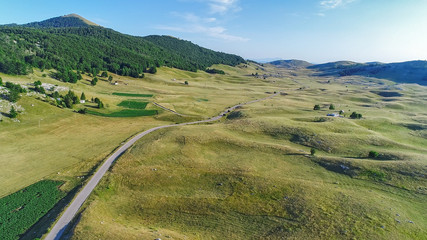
60	226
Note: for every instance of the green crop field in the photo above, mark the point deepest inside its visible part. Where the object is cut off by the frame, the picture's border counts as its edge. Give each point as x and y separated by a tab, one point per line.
22	209
133	104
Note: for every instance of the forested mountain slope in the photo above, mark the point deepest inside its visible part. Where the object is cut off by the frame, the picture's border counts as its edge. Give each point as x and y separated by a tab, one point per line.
80	46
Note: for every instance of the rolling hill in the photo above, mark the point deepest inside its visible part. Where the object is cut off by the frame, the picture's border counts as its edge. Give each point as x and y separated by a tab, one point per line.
403	72
293	63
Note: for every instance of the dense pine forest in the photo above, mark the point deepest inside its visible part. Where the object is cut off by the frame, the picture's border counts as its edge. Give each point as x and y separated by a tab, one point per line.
53	44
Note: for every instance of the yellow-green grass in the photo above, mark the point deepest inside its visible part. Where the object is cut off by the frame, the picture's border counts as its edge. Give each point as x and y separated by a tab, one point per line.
253	177
125	113
132	94
210	182
282	129
49	140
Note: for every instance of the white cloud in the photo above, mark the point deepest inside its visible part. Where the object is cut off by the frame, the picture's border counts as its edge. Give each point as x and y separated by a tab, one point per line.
215	32
332	4
207	26
190	17
222	6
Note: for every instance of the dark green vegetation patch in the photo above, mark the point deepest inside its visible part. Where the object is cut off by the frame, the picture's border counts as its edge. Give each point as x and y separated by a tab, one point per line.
133	104
235	115
20	210
90	49
388	94
125	113
132	94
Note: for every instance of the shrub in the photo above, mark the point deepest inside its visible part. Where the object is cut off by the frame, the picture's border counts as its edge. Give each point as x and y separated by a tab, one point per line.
373	154
214	71
186	82
316	107
40	89
94	81
312	151
331	107
355	115
83	111
235	115
37	83
13	113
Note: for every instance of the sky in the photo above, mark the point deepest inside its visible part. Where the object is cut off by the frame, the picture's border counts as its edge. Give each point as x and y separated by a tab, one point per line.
317	31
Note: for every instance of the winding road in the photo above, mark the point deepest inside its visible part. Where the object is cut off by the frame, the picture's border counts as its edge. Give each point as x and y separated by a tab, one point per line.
63	222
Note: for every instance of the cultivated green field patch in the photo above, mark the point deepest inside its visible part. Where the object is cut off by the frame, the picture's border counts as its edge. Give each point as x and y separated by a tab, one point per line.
22	209
132	94
133	104
125	113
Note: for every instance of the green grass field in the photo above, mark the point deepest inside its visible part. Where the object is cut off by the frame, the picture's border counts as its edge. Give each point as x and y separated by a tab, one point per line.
249	177
133	104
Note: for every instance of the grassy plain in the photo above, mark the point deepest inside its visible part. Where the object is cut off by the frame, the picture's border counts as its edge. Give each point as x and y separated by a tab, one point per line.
249	177
253	177
49	141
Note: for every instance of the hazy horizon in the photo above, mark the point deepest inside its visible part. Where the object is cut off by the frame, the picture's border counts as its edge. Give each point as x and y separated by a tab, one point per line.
316	31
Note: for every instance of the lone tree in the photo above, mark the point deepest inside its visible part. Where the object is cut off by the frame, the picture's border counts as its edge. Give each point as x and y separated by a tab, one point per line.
83	97
186	82
153	70
94	81
13	95
104	74
373	154
13	113
312	151
331	107
37	83
110	78
99	102
316	107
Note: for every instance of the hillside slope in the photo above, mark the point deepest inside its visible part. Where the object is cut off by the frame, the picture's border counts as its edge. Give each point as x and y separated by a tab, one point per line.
404	72
70	20
71	43
293	63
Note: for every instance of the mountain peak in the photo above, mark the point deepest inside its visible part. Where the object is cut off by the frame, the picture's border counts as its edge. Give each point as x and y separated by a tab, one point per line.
70	20
74	15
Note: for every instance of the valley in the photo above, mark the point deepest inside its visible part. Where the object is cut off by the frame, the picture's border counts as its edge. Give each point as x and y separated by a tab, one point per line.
316	154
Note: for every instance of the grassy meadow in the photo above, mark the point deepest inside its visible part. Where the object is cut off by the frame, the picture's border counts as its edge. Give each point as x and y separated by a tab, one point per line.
253	177
247	177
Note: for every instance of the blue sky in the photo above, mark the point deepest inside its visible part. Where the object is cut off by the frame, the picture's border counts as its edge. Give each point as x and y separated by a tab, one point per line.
313	30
